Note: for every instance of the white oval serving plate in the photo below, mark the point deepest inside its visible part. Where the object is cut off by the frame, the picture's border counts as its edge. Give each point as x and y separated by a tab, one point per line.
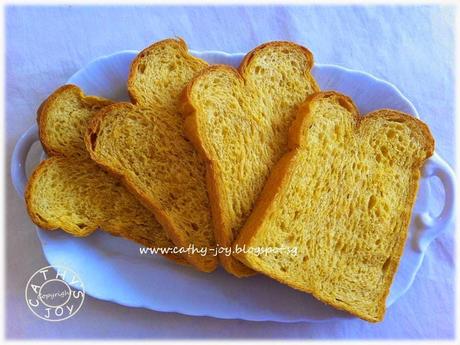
112	268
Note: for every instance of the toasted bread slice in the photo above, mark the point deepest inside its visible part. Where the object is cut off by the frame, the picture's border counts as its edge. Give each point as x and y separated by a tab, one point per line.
343	196
77	196
69	191
239	121
143	143
63	118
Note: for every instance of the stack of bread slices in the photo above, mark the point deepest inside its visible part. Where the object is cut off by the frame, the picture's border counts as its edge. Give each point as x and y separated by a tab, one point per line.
208	157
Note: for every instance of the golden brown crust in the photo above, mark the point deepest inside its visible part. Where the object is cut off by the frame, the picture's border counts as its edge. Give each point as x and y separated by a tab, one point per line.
295	131
91	137
277	181
42	120
137	60
44	224
43	111
191	132
160	215
252	54
30	188
271	188
42	114
223	234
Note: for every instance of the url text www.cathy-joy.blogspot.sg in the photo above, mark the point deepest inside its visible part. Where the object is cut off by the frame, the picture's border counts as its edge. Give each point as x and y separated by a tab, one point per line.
218	250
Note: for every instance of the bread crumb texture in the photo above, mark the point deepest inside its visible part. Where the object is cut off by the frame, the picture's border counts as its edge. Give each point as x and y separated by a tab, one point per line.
239	120
63	118
69	191
343	196
143	142
79	197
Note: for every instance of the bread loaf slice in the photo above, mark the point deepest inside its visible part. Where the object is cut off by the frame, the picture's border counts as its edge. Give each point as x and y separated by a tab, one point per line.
343	196
77	196
63	118
143	143
239	122
69	191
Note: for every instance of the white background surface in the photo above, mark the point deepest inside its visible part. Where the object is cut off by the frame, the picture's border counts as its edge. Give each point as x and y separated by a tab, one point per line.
412	47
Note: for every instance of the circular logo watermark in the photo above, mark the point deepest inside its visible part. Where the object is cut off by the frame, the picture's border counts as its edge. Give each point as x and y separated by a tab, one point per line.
55	293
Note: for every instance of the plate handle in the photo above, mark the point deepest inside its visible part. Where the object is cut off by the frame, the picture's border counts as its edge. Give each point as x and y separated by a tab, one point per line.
434	225
18	159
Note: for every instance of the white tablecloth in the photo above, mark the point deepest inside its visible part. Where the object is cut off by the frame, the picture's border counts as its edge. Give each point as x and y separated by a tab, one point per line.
411	47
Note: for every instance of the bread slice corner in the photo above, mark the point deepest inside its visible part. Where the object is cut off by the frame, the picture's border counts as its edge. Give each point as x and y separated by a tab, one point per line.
62	116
